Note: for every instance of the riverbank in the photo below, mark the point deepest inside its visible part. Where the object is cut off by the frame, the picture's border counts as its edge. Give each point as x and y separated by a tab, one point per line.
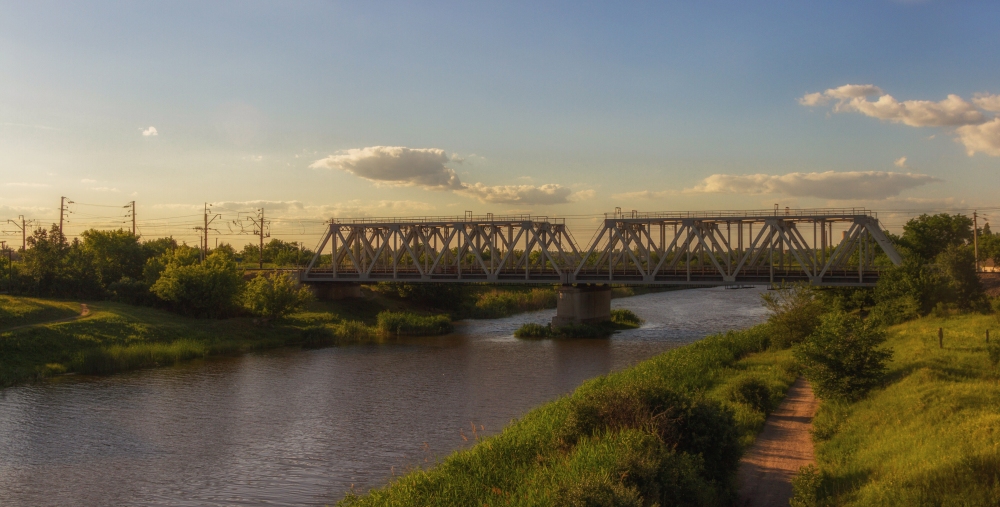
118	337
930	437
670	430
36	340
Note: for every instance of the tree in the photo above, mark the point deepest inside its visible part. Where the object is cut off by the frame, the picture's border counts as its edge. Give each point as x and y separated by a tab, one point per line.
960	285
795	312
273	296
209	289
115	254
929	235
842	358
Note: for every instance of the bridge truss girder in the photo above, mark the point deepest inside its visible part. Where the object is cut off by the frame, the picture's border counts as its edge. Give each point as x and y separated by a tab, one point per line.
488	250
653	249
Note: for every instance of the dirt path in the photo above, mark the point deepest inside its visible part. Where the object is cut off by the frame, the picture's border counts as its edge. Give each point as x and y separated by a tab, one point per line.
84	311
765	474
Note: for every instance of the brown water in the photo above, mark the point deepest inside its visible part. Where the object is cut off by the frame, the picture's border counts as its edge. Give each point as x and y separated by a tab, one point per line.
296	427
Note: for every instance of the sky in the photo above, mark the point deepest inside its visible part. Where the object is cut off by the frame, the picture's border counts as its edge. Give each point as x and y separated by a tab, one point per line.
320	110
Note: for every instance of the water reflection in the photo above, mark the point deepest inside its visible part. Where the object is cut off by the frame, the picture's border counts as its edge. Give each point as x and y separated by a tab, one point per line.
294	427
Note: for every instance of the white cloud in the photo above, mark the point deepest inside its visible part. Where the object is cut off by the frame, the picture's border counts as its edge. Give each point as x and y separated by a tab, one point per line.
841	93
987	101
978	132
950	112
900	162
88	181
644	194
983	138
395	165
104	189
825	185
426	167
151	131
518	194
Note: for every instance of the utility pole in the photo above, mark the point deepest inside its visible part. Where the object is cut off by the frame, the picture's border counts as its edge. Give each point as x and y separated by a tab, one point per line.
132	212
63	212
23	226
975	236
204	230
260	228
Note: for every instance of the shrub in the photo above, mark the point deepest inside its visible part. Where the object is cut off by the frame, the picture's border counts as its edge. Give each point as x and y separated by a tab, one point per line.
403	323
993	350
625	317
753	392
274	296
805	487
795	312
532	330
842	358
209	289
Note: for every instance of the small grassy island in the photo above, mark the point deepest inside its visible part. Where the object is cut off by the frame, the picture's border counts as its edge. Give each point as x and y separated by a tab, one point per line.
620	319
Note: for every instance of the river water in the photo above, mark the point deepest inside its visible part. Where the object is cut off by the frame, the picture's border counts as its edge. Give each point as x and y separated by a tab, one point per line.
302	427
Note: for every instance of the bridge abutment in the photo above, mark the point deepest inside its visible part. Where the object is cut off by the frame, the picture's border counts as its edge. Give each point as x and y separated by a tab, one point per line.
337	290
582	304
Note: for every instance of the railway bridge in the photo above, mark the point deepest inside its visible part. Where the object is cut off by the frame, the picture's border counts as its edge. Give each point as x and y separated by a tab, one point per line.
731	248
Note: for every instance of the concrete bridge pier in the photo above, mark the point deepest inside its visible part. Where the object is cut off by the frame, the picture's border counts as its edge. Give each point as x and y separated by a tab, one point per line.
326	291
583	304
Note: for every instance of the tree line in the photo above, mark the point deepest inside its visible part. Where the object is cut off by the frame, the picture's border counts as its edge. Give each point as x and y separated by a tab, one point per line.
119	266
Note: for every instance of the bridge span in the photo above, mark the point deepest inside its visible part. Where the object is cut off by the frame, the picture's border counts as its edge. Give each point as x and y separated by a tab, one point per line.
748	247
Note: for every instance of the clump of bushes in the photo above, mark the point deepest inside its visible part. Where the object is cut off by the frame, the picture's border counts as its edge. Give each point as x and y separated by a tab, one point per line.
625	318
404	323
794	313
495	304
273	296
842	358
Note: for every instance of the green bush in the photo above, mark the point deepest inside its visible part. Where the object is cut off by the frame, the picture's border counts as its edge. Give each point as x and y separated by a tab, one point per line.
752	392
532	330
625	317
404	323
993	350
209	289
274	296
806	487
795	312
842	358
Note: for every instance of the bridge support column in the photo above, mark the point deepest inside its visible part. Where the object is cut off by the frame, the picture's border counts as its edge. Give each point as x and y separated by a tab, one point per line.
335	290
582	304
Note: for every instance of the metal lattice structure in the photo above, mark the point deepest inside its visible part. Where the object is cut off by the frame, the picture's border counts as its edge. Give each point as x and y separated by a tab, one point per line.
691	248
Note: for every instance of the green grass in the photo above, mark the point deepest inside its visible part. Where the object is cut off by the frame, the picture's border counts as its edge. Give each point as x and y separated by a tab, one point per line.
620	319
406	323
118	337
668	430
19	311
930	437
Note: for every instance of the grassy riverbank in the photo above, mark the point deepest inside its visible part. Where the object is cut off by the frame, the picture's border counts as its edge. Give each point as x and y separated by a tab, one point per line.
931	437
669	430
117	337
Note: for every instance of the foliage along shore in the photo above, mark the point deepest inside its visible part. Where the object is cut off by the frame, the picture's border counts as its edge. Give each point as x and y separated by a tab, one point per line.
669	430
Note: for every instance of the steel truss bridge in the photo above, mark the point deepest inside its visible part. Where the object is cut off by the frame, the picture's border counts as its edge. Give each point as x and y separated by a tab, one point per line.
754	247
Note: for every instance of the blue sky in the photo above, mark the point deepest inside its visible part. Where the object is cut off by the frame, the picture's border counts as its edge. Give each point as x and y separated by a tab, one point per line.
550	108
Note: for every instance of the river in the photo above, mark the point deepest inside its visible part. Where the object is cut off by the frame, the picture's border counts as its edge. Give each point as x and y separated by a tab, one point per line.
302	427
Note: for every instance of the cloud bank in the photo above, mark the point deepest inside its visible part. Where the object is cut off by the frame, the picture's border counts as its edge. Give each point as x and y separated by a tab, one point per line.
151	131
825	185
974	129
426	167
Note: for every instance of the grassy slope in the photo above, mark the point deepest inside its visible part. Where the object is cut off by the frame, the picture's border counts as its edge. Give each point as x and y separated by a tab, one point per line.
528	464
118	337
931	437
18	311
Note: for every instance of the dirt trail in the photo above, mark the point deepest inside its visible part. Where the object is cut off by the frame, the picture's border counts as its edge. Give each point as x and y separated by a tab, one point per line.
765	474
84	311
